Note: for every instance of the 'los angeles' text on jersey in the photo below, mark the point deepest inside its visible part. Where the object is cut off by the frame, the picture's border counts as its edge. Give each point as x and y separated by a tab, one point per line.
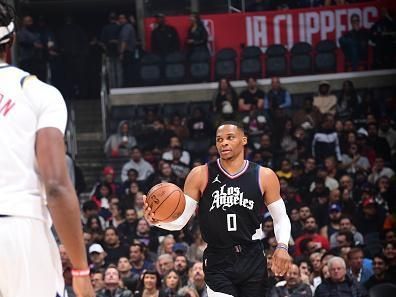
231	205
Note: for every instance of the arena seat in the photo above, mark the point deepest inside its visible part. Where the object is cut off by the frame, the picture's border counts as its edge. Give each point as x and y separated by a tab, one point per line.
199	65
301	59
326	58
175	68
250	62
225	65
276	62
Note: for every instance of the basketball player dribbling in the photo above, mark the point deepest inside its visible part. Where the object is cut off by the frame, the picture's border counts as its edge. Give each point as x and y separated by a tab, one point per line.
230	194
34	184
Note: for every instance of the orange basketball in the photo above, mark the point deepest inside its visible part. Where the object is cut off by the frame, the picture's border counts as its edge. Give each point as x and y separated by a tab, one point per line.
166	201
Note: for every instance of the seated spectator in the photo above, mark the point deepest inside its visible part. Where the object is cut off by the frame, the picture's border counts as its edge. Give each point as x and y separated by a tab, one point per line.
285	170
346	226
200	130
166	175
177	126
164	38
225	100
120	143
294	286
108	182
380	276
166	245
347	101
175	142
308	117
180	169
339	284
195	252
128	278
138	260
197	36
325	142
145	236
354	43
127	228
277	97
379	170
132	177
310	231
353	161
389	252
316	264
379	144
288	141
97	256
197	279
325	101
171	283
360	272
267	150
97	281
333	224
117	215
252	96
181	268
164	264
386	131
254	124
150	285
143	168
113	246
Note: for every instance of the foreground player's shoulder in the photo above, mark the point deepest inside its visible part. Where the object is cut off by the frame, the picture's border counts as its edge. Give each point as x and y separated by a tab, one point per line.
268	179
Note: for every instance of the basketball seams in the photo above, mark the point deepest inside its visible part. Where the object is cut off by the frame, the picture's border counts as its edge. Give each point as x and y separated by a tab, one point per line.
164	199
177	206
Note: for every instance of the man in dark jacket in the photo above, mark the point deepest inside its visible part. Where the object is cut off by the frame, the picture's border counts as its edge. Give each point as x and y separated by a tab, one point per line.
339	284
164	38
294	287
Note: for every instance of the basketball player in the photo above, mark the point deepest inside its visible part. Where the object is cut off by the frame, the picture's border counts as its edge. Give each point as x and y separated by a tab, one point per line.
32	158
231	193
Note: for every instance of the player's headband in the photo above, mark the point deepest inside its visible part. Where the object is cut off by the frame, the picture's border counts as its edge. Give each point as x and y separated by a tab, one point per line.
6	32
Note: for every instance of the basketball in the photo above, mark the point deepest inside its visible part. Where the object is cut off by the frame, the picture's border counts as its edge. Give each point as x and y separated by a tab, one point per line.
166	201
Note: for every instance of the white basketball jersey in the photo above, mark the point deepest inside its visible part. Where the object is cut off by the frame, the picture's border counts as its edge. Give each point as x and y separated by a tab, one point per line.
26	105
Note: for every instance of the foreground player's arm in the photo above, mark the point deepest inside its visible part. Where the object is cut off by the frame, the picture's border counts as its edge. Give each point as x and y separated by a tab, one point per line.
192	193
282	227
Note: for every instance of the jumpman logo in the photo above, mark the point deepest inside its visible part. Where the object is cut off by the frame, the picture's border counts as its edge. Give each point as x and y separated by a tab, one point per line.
216	180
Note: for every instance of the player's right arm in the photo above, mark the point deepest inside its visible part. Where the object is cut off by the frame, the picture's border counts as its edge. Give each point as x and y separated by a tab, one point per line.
193	189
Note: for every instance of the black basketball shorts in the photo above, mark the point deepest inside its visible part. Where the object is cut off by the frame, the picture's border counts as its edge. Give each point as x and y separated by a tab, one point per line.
239	272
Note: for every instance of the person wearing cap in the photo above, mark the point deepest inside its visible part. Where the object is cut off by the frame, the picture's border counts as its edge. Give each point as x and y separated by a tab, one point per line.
370	216
333	224
164	38
324	101
179	248
96	256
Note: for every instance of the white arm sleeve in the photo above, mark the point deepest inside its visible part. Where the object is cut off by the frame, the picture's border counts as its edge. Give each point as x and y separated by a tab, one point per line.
179	223
282	227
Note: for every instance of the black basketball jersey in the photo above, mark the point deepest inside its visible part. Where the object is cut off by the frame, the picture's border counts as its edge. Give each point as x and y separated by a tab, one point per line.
230	206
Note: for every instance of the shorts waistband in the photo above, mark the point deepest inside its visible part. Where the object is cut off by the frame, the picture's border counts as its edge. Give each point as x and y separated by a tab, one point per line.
237	248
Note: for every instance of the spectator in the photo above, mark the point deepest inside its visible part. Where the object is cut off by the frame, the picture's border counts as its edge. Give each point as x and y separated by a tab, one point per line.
128	228
128	278
294	286
166	245
267	150
324	101
347	101
354	43
386	131
178	127
297	226
370	216
379	170
143	168
96	256
109	37
254	124
360	272
174	142
389	251
277	98
113	246
383	34
178	167
132	176
200	131
181	268
197	36
225	102
127	40
112	284
171	283
379	144
197	279
165	263
333	224
145	236
353	161
325	142
164	38
138	260
195	252
285	170
380	276
339	284
150	285
288	141
310	231
252	96
90	209
308	117
346	226
31	49
117	215
120	143
97	280
166	175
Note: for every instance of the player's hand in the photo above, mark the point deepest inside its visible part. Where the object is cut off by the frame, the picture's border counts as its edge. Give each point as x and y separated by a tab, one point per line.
281	262
82	286
148	214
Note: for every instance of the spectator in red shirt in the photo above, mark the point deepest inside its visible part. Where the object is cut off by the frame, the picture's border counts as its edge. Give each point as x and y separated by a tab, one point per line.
311	231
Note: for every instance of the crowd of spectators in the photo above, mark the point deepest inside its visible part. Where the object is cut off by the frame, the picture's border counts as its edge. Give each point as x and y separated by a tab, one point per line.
334	155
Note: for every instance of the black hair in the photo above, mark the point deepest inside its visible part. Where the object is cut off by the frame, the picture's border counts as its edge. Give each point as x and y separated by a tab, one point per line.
7	15
89	205
233	123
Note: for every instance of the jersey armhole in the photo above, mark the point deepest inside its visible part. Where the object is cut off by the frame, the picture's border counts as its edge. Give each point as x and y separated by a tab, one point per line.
26	78
207	179
260	183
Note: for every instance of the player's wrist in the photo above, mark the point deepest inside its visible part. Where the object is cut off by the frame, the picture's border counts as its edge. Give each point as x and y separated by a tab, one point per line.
282	246
80	272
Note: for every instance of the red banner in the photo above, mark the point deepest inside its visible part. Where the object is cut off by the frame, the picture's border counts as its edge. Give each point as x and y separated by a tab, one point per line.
284	26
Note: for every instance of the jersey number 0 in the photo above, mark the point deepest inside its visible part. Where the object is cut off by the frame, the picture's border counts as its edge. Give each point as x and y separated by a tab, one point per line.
231	222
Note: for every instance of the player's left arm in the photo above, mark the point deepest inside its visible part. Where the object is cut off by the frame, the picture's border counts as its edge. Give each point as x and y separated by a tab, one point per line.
282	227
